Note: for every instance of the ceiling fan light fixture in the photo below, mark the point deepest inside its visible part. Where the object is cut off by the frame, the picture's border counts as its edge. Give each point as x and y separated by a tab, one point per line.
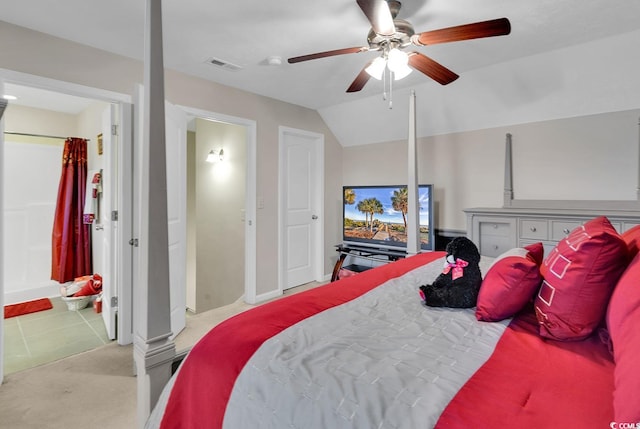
397	60
389	35
398	63
401	72
376	68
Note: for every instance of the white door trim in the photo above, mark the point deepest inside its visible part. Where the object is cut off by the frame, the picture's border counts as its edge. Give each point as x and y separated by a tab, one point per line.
250	245
318	231
33	81
1	246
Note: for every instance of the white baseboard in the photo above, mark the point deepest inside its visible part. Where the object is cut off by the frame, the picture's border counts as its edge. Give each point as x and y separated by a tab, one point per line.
45	291
269	295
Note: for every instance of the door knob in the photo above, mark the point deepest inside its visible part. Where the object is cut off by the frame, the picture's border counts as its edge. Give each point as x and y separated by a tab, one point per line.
314	217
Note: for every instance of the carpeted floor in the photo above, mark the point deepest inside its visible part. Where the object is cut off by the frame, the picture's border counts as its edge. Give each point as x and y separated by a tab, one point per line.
95	389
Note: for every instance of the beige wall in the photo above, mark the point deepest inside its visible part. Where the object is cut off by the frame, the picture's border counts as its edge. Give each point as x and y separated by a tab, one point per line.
71	62
29	120
220	204
584	158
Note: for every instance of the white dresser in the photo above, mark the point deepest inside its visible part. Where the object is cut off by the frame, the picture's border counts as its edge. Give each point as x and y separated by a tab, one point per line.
496	230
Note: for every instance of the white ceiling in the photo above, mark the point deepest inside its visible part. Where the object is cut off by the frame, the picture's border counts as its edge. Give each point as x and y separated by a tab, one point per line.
247	32
47	100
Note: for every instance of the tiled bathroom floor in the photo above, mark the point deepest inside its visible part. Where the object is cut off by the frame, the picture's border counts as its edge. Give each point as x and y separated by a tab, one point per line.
46	336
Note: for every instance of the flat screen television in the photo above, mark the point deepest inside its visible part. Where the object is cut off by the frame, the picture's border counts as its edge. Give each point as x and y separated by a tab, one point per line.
376	216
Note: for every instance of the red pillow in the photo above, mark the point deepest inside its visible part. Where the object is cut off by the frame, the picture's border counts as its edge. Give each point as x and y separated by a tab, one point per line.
536	251
632	238
623	320
510	283
579	275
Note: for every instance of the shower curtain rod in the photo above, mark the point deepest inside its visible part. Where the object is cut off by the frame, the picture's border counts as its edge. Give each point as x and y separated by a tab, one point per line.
38	135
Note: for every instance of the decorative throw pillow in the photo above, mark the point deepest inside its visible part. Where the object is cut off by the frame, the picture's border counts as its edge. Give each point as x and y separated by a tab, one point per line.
632	238
536	251
510	283
623	320
579	275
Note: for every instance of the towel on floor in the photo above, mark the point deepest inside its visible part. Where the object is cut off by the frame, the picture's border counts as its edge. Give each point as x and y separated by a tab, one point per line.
92	287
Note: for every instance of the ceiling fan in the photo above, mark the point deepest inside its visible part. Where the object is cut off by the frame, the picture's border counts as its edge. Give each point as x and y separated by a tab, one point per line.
391	36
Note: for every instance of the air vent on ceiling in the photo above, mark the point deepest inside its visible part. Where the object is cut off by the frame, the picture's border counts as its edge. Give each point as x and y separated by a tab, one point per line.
223	64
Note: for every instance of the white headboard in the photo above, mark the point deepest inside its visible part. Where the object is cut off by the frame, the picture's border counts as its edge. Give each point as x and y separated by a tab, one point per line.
511	202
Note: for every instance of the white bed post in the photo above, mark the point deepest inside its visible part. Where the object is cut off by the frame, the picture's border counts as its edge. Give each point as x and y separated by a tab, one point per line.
638	186
153	350
413	211
508	173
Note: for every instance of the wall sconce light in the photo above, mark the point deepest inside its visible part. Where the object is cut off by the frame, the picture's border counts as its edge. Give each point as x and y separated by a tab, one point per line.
215	156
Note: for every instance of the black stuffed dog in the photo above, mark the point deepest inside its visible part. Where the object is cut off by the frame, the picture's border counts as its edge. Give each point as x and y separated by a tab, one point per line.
458	284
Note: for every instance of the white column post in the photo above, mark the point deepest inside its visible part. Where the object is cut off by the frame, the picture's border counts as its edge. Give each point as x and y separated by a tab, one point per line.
508	173
638	165
153	349
413	213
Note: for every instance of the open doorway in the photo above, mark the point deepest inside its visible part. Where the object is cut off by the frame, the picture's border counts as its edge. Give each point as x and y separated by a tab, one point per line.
220	210
36	125
215	215
245	216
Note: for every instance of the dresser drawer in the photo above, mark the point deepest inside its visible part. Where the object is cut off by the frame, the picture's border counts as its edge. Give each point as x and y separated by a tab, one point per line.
501	229
626	226
617	226
560	229
534	229
492	245
548	246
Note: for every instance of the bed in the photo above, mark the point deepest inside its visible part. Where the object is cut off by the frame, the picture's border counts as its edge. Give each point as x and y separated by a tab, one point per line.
363	352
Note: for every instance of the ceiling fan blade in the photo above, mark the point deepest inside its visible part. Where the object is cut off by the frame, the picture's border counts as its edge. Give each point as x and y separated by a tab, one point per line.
361	80
379	15
494	27
434	70
354	50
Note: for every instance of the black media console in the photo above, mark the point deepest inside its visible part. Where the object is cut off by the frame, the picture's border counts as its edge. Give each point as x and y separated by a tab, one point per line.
365	252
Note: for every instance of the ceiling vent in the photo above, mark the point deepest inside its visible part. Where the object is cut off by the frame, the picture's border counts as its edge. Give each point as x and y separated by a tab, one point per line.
223	64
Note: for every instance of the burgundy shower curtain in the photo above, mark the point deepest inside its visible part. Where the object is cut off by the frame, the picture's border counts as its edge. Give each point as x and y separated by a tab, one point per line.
71	238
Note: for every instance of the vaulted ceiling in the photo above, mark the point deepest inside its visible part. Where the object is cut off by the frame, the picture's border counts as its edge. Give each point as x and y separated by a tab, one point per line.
255	38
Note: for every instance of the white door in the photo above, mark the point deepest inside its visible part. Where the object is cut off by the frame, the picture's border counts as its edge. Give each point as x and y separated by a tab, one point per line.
301	154
176	140
109	203
176	148
122	181
116	219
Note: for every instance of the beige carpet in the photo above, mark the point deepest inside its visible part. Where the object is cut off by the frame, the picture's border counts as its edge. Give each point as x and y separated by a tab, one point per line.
95	389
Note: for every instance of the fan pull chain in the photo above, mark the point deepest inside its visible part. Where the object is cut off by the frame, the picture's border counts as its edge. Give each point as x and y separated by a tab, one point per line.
384	83
390	90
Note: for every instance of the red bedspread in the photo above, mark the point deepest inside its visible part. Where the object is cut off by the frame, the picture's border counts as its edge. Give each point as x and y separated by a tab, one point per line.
528	382
532	382
199	396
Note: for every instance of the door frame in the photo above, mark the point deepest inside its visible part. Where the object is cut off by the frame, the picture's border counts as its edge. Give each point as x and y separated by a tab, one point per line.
1	235
318	228
125	316
250	227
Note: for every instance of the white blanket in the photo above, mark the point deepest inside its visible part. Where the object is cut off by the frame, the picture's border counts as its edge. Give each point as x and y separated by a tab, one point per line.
380	361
